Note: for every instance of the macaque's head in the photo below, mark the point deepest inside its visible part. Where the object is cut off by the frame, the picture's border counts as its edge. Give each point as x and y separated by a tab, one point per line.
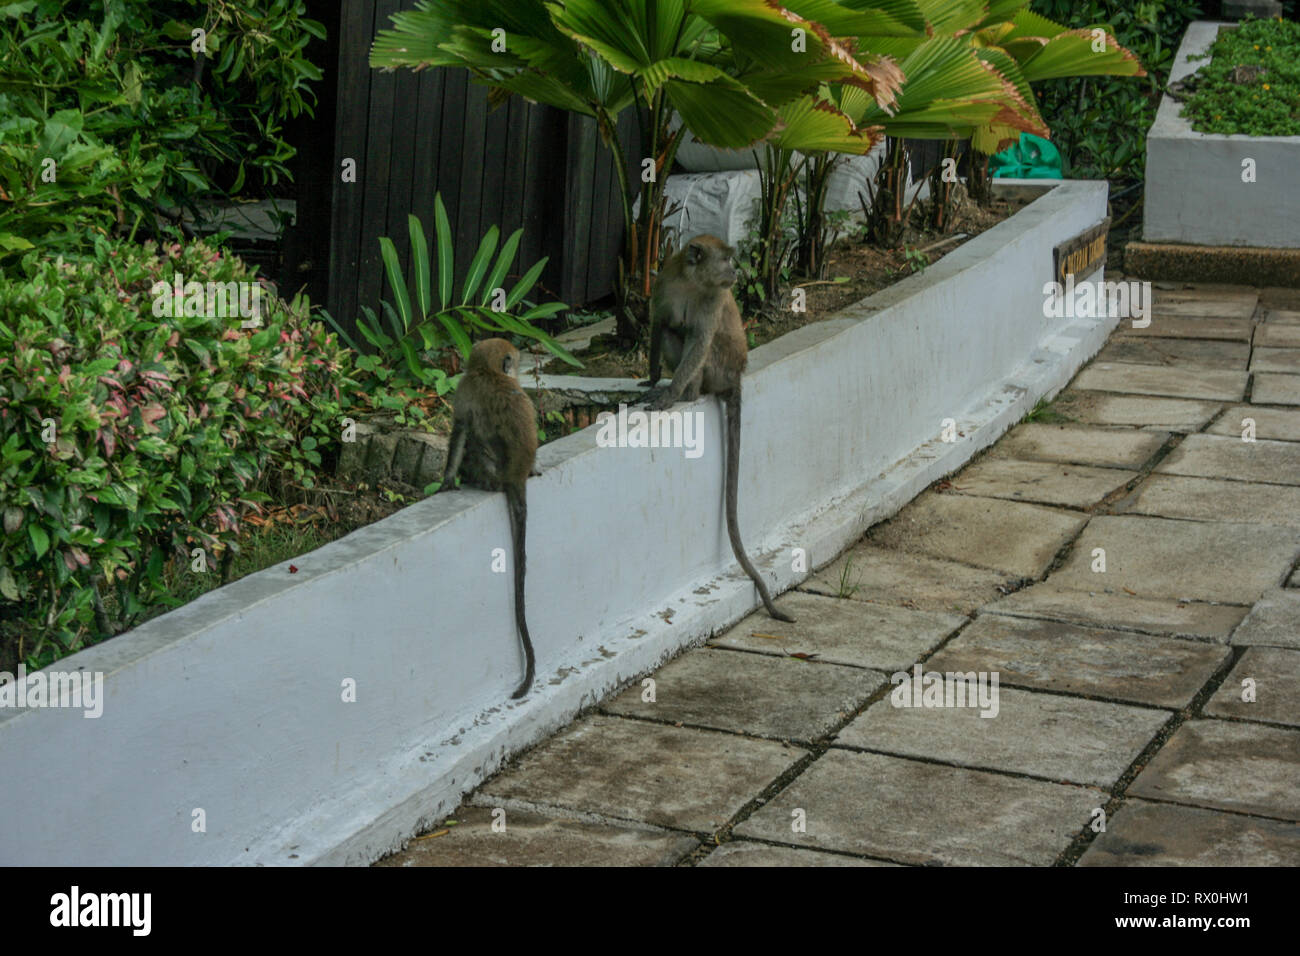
494	355
708	261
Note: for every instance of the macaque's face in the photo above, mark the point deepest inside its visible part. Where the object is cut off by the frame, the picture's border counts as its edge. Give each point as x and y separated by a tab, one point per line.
709	261
496	355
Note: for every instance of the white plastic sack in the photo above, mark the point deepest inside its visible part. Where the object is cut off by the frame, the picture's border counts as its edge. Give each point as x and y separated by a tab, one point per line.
853	175
718	204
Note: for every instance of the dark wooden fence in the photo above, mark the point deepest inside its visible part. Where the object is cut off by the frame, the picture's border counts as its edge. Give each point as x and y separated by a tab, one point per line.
415	134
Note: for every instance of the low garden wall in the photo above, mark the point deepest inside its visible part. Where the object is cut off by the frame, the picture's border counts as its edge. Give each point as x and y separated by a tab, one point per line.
227	735
1195	192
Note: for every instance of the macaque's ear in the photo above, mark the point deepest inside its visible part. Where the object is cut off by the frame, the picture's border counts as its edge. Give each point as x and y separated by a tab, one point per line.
729	252
693	254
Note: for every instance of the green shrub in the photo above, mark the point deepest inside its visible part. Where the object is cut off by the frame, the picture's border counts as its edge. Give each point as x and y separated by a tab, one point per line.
1256	102
1099	123
107	89
127	438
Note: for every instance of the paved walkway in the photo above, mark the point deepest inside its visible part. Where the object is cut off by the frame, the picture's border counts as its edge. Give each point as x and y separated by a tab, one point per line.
1126	564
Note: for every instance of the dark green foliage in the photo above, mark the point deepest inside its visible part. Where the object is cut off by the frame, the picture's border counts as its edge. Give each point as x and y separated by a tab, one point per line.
1099	123
136	121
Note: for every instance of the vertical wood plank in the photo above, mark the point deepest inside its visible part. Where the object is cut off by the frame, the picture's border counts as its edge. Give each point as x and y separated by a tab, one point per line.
351	130
451	135
468	224
424	165
374	173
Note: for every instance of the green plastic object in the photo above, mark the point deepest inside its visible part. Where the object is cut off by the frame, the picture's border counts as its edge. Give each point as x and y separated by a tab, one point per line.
1032	157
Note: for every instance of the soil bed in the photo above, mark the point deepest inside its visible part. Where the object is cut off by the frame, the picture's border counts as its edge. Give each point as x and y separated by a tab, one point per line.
854	271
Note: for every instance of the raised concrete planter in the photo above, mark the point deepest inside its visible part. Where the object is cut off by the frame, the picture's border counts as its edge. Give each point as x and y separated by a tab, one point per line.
234	704
1194	188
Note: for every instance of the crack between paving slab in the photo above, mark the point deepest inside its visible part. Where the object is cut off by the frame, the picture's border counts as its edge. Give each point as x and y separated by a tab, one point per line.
816	748
977	768
1080	695
694	857
1123	628
557	811
1239	481
1119	790
798	742
1250	354
1295	566
1166	802
1251	721
885	671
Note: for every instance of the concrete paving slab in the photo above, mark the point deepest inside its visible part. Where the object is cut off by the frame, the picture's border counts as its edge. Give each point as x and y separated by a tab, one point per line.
1161	834
1274	388
1271	424
634	770
1154	380
1041	482
1176	353
1226	765
1144	411
1204	302
1192	560
1277	336
1079	445
885	576
1178	327
1177	291
1221	456
1120	665
1208	499
780	697
744	853
1007	536
840	631
1201	308
536	839
924	813
1285	360
1116	609
1274	621
1044	735
1279	297
1273	674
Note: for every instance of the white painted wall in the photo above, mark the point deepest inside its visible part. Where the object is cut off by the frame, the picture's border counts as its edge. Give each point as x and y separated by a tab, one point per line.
1194	190
232	703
